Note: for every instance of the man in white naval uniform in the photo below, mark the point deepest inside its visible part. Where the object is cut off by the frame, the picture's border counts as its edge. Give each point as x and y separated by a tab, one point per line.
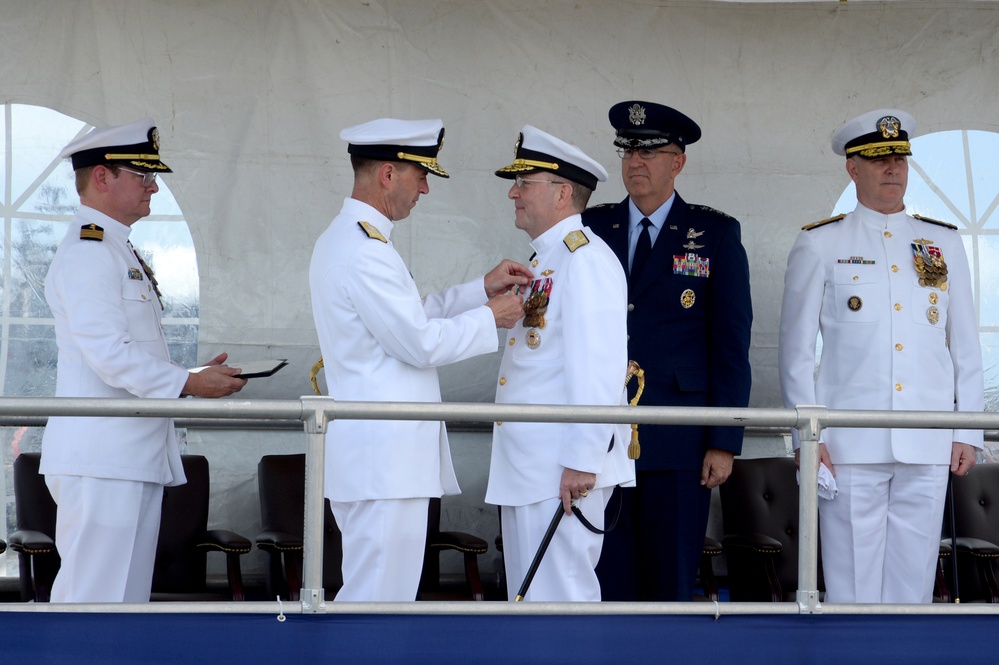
891	295
572	348
381	342
107	475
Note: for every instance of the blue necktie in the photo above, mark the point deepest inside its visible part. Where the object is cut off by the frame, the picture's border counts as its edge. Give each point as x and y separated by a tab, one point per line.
642	251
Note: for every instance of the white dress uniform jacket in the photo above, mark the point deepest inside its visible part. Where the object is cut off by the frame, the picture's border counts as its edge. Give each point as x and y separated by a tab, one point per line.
381	342
577	356
111	344
888	343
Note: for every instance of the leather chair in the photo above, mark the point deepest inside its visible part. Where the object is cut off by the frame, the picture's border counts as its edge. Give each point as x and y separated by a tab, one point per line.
180	571
281	486
34	540
442	541
706	571
976	515
760	519
760	516
184	541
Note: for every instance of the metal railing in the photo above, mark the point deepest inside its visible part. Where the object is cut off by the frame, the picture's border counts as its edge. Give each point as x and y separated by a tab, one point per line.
315	413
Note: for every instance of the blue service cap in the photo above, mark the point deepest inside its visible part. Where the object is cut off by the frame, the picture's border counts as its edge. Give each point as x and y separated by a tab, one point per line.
650	125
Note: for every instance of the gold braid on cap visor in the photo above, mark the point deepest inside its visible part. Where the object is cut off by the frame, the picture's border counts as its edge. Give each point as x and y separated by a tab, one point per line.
111	156
429	162
881	149
520	164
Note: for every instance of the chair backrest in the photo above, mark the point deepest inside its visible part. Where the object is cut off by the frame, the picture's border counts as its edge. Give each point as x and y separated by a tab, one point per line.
181	566
281	485
976	502
976	515
761	497
34	508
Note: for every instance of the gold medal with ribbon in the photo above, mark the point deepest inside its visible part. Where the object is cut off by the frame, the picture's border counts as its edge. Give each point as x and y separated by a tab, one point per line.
930	264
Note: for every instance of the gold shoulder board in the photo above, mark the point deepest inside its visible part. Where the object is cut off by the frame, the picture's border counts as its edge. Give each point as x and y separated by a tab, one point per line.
935	221
815	225
575	240
372	231
91	232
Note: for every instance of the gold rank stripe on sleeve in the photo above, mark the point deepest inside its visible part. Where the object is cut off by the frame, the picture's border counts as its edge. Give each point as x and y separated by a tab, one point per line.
371	231
929	220
815	225
91	232
575	239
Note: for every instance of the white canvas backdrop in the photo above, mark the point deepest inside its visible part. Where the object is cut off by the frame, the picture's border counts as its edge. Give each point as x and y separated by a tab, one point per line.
250	96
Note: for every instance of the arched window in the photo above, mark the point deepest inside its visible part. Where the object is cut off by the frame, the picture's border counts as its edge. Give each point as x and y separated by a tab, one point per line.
952	177
37	201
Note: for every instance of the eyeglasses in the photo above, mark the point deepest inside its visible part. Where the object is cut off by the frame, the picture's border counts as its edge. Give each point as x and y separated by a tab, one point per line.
148	177
521	180
643	153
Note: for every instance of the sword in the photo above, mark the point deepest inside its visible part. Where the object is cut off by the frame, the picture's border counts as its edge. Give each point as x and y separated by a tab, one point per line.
953	539
542	548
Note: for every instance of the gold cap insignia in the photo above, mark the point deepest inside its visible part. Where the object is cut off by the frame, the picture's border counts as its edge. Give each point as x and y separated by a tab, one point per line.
889	126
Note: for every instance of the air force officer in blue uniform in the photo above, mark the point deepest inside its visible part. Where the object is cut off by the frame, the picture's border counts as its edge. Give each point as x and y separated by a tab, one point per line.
689	319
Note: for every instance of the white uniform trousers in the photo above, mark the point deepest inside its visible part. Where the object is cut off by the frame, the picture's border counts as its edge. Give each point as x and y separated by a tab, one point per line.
881	534
106	533
567	571
383	545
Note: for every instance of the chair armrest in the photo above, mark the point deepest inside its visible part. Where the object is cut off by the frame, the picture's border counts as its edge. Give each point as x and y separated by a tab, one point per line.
756	542
225	541
234	546
279	541
712	547
31	542
456	540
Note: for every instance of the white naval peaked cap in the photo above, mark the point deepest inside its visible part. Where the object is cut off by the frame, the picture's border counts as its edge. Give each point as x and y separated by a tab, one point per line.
136	144
536	150
874	134
393	140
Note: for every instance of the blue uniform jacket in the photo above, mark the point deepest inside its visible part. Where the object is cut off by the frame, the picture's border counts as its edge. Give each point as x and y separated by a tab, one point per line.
689	321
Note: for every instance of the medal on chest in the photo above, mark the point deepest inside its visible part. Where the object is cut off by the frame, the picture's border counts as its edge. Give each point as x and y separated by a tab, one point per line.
535	306
930	264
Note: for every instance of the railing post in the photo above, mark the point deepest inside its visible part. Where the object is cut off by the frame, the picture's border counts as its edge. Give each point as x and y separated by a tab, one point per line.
809	428
313	595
